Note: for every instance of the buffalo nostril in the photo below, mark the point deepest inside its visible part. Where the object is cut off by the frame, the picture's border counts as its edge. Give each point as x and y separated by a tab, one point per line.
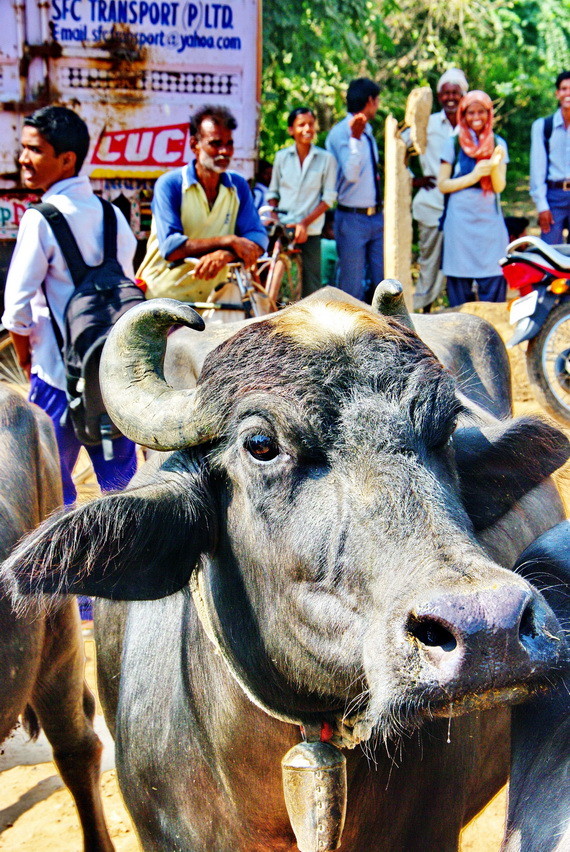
528	628
431	633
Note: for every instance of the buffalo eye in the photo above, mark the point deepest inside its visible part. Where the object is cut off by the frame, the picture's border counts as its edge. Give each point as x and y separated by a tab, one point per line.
262	447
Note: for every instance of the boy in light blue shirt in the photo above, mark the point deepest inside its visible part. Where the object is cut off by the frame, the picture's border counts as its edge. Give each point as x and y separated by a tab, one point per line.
303	186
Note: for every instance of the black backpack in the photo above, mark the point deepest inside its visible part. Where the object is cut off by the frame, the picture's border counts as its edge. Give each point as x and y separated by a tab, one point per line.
102	294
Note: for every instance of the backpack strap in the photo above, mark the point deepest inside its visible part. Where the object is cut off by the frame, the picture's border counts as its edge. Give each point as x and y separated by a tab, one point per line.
109	230
78	269
546	134
455	149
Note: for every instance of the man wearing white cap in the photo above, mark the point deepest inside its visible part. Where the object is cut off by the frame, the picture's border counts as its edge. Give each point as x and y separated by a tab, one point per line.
427	206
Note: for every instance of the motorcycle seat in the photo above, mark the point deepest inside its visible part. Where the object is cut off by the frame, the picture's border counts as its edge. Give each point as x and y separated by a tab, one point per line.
557	256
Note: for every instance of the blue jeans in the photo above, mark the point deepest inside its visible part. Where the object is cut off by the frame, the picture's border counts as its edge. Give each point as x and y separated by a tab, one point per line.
559	203
489	289
111	475
360	247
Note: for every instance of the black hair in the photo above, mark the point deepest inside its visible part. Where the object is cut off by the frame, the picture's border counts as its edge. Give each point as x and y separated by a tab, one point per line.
262	166
63	129
218	114
516	225
359	91
301	110
564	75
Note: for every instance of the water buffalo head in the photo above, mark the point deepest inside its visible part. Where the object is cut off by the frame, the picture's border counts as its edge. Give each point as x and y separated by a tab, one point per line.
329	484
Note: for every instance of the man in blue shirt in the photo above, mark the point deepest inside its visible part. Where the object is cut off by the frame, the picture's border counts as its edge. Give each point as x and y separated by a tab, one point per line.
204	212
359	223
550	166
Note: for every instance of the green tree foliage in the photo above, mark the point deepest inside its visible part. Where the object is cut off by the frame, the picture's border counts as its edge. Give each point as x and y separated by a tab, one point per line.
311	49
512	49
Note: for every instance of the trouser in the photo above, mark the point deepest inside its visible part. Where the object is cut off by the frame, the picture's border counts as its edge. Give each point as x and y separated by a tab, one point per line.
490	289
111	475
431	278
311	260
360	246
559	204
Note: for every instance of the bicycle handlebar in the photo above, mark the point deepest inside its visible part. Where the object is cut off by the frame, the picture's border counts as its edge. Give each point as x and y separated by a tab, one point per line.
176	263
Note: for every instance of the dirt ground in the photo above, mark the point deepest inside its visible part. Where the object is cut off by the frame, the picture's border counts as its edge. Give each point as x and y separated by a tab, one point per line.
36	811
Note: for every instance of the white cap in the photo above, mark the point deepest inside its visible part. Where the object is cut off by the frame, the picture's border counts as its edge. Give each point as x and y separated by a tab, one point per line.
455	77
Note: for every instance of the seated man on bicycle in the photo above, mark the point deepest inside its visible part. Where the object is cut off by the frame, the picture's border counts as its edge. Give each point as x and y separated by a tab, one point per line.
303	186
201	211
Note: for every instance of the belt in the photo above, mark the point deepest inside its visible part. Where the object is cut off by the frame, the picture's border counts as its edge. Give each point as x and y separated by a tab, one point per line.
558	184
366	211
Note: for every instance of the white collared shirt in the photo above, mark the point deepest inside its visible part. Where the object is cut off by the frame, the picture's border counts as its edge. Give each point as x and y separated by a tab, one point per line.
427	205
38	258
298	188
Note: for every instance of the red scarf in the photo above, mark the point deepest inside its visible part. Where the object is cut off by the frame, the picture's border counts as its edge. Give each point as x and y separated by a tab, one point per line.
483	148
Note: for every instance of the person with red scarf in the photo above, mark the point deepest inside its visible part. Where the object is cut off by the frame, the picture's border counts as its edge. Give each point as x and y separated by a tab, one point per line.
472	176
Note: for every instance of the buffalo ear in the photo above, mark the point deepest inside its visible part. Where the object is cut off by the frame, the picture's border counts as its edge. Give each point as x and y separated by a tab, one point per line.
498	465
546	564
141	544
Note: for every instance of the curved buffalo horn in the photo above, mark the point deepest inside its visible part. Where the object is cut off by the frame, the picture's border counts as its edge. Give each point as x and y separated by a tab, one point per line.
139	400
388	300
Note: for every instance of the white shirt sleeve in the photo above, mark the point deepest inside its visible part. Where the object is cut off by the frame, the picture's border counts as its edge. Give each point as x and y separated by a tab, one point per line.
273	192
27	271
351	158
329	181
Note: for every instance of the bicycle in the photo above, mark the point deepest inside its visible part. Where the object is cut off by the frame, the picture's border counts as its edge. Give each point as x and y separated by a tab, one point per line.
239	293
281	269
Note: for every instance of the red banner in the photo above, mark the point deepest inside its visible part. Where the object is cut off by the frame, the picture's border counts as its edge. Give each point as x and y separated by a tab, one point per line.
147	146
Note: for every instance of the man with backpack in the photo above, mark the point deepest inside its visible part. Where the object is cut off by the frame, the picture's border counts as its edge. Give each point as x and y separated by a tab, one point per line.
550	166
40	285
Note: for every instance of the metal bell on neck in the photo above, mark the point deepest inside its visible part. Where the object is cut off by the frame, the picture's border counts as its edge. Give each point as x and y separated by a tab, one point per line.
314	784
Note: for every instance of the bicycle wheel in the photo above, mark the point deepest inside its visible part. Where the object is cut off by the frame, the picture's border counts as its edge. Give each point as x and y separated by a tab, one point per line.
289	272
10	370
296	277
274	278
548	364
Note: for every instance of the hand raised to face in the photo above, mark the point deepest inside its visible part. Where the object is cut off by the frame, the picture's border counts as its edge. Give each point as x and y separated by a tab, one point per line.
357	123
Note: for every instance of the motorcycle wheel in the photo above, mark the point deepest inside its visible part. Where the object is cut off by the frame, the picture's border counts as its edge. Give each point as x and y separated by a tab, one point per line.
548	364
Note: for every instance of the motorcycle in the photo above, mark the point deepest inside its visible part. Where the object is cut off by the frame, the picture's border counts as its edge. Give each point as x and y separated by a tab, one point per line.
541	315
